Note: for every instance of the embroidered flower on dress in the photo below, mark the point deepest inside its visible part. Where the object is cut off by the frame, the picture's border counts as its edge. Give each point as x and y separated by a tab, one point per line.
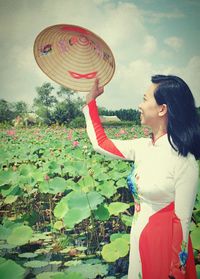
132	185
183	257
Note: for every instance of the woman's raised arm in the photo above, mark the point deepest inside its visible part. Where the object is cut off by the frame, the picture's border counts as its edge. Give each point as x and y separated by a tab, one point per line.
117	149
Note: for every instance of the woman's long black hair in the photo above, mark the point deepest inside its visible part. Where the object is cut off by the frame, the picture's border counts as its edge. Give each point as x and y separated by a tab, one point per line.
183	126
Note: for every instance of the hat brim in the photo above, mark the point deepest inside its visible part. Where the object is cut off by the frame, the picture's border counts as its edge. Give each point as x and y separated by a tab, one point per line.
74	56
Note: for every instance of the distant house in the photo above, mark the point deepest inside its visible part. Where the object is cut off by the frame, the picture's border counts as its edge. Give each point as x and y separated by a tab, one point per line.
105	118
29	118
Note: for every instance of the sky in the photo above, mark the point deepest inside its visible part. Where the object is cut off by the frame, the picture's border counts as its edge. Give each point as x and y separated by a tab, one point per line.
147	37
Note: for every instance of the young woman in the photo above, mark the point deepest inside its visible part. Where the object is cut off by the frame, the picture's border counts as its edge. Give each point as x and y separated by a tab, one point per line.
164	179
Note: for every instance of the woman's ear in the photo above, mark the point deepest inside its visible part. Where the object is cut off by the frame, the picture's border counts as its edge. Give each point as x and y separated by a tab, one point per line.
162	110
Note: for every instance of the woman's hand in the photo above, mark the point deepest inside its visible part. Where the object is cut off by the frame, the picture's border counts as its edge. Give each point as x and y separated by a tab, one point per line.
94	92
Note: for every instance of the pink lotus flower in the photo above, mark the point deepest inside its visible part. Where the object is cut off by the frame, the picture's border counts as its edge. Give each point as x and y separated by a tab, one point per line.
75	143
122	132
46	177
11	133
70	134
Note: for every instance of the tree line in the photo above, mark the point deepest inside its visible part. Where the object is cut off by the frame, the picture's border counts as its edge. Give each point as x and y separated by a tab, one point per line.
61	107
64	107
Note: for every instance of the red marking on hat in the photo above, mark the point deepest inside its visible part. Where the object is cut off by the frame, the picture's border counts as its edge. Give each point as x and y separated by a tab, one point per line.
76	29
86	76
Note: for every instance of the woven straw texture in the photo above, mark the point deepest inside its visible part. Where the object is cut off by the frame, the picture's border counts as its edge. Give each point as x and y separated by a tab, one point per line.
73	56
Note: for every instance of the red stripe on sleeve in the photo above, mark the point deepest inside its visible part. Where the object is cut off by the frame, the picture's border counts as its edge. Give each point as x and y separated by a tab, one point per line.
103	141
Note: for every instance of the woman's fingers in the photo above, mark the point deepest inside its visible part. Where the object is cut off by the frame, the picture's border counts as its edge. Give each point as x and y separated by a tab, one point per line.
95	91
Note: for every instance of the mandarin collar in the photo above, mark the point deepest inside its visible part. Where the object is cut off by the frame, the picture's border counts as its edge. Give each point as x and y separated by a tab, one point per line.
163	139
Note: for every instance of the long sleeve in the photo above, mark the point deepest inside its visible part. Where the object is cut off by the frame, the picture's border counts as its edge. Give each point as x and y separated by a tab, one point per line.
117	149
186	181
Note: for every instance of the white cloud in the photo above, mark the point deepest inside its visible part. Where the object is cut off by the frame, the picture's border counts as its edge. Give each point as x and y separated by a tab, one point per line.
150	44
156	17
128	85
191	74
174	42
131	81
121	24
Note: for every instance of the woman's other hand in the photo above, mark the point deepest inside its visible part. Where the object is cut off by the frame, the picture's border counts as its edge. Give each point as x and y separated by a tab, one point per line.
94	92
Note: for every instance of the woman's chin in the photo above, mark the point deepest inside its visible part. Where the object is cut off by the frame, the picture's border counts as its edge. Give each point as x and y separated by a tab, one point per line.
142	121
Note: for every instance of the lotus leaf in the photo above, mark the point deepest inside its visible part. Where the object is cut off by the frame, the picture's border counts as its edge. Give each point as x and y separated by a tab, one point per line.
195	238
72	275
54	167
107	188
116	249
75	216
10	269
58	225
127	220
10	199
6	177
57	185
30	173
125	236
28	255
86	183
90	271
94	199
117	207
44	187
48	275
102	176
4	232
55	262
36	264
93	261
61	208
198	270
2	260
20	235
4	157
102	213
121	183
72	263
83	200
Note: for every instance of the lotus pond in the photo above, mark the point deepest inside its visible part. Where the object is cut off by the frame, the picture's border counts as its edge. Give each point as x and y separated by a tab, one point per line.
65	210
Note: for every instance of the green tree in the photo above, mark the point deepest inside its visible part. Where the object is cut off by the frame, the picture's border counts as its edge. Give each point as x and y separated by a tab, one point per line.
69	108
6	111
20	108
45	97
123	114
44	102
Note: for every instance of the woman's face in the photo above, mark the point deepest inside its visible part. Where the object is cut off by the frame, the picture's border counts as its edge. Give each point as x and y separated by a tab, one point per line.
149	109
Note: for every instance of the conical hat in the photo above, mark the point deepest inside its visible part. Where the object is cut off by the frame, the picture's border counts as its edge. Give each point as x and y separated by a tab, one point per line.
74	56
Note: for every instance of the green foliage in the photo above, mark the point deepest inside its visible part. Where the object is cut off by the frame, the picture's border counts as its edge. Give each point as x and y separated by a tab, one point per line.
195	238
10	269
6	111
20	235
78	122
117	207
20	108
45	97
118	248
60	195
90	271
130	115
